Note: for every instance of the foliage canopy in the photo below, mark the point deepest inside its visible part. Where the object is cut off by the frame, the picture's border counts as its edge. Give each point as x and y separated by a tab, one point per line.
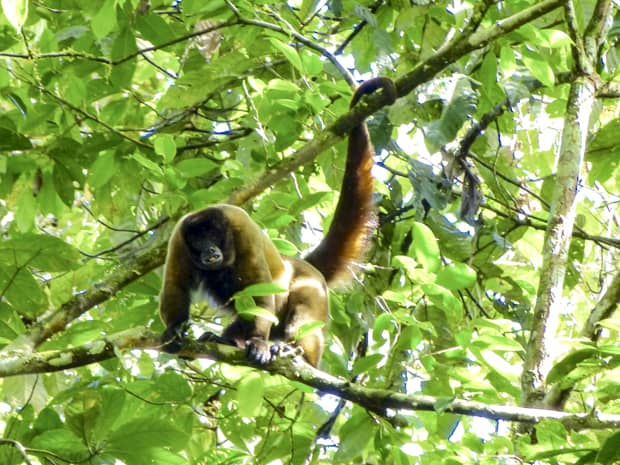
118	116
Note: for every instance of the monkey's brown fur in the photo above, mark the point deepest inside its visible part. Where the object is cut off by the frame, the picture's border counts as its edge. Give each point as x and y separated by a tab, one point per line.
221	250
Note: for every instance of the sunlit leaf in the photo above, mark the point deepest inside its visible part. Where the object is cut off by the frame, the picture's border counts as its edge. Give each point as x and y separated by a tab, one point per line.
16	11
424	247
456	276
250	391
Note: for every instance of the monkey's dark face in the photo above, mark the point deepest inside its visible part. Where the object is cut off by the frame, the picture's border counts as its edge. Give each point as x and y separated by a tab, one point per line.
209	239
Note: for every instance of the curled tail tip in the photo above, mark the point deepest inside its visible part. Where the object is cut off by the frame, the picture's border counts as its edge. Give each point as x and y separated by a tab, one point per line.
372	85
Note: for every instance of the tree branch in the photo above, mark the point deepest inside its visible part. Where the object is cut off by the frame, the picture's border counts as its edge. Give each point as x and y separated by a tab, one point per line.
463	44
57	320
604	308
556	243
14	363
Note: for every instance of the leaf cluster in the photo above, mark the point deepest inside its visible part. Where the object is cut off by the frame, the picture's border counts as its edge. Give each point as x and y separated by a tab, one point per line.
119	114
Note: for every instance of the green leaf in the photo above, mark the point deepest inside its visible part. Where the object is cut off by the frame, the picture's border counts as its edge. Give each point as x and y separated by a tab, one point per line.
195	167
251	313
63	443
123	47
25	211
311	63
311	200
43	252
158	456
443	403
364	364
173	387
10	140
356	437
539	67
507	61
458	103
610	451
285	247
307	8
260	290
603	153
47	419
308	328
250	391
155	29
289	52
424	247
193	7
165	146
146	433
404	261
148	164
282	88
23	291
111	403
16	11
105	20
383	323
11	325
498	343
63	184
554	38
445	300
102	170
456	276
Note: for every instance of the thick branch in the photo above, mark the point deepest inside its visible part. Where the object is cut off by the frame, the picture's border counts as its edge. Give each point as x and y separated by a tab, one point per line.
604	309
296	369
597	28
549	302
549	298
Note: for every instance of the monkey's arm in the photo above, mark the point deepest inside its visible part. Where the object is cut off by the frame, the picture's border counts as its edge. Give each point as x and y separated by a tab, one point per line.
258	261
175	297
257	330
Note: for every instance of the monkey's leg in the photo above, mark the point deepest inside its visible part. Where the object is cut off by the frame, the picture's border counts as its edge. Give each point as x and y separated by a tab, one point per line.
313	342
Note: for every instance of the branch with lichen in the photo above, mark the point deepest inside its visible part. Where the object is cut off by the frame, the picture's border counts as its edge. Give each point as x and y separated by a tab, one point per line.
379	401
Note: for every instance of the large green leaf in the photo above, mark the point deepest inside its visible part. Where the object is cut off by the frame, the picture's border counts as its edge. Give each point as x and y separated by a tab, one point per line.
146	433
250	391
43	252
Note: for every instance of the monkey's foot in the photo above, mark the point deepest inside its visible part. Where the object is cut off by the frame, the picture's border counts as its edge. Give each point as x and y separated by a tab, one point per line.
258	351
172	338
208	336
281	349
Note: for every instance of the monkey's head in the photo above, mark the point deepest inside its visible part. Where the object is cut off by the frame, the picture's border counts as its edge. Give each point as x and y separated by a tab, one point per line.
209	238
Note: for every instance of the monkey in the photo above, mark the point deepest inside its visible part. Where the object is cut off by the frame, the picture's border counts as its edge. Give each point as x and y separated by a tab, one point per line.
220	250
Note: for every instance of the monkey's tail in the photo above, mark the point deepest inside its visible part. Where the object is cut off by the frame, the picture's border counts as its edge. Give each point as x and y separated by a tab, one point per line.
354	218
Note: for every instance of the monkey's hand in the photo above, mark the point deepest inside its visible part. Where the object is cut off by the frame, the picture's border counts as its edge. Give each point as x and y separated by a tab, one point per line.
172	338
258	351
